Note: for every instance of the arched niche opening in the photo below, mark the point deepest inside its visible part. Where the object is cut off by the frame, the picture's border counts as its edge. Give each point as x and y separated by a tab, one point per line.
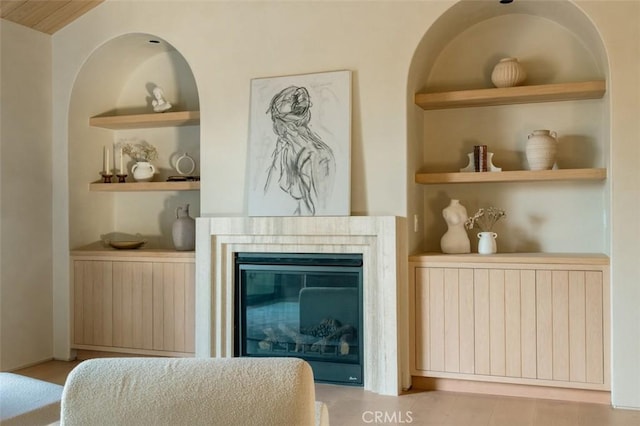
556	43
116	80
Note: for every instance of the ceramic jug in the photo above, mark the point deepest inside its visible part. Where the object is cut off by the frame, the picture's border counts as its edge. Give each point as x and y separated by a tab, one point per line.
143	171
487	243
184	229
541	149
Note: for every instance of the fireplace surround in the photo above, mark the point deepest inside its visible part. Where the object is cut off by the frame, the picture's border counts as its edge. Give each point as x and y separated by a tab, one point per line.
380	240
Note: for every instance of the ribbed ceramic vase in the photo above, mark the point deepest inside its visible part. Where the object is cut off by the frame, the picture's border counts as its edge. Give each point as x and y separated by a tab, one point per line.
541	149
184	229
508	73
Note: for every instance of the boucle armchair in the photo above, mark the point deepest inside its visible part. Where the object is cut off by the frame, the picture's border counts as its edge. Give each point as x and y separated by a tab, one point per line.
191	391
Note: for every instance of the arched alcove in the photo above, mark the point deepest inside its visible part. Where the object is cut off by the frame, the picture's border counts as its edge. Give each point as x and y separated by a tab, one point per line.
117	80
556	43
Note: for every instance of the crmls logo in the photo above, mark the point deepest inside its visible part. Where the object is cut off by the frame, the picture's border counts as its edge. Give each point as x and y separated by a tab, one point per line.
393	417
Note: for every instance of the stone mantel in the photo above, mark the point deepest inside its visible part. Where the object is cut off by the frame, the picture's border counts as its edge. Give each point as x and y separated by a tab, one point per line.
381	240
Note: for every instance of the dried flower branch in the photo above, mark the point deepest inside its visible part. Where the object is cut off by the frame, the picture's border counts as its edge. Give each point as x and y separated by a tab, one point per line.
141	151
485	219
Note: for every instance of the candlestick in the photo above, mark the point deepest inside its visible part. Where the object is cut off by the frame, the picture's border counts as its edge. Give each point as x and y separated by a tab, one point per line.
106	160
121	162
106	177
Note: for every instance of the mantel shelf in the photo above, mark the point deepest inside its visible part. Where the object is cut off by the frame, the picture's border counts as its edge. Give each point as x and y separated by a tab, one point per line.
511	176
139	121
512	95
144	186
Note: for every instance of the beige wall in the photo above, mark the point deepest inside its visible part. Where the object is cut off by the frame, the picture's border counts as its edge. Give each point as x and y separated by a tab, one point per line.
619	25
228	43
25	197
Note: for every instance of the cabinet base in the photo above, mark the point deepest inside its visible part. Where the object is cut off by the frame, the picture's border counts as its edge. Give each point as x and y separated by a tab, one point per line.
85	352
510	389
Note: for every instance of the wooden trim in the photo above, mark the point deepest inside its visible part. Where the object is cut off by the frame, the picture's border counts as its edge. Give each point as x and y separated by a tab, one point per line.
516	260
509	389
139	121
591	174
97	251
512	95
84	352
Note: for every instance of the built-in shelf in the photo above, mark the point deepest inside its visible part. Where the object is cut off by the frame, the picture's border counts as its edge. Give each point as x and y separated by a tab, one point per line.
139	121
512	95
546	258
511	176
144	186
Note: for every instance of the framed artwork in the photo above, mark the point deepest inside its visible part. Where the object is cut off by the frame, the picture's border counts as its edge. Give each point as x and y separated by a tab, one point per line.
299	152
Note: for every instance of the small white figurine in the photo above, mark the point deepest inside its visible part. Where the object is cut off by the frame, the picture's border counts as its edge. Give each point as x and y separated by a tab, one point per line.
160	104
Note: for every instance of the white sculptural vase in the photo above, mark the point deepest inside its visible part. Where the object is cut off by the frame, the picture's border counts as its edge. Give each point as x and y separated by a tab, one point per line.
143	171
487	243
455	240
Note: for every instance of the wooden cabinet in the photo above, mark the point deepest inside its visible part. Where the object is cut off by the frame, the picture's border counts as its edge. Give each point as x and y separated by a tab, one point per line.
138	301
537	319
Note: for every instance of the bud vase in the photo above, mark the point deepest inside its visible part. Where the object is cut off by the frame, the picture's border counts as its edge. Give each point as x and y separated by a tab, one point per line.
487	243
184	230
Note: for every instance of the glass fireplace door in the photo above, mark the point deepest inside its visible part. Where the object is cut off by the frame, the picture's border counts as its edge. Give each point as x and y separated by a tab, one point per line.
305	305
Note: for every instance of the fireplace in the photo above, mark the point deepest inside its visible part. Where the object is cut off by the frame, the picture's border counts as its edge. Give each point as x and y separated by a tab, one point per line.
385	308
305	305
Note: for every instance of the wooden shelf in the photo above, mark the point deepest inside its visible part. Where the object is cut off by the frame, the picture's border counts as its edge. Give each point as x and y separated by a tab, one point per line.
511	176
139	121
512	95
144	186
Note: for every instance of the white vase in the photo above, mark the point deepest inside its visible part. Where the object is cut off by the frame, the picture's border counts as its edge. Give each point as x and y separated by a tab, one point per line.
487	242
184	229
143	171
541	149
508	73
455	240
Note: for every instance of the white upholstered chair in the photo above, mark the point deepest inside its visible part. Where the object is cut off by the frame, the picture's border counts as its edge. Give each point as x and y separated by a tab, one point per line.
192	391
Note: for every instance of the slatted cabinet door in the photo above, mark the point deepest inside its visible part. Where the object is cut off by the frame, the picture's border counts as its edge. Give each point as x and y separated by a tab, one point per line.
135	306
132	308
92	303
173	307
523	324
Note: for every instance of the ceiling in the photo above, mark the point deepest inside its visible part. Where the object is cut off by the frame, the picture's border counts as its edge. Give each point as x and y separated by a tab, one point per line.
47	16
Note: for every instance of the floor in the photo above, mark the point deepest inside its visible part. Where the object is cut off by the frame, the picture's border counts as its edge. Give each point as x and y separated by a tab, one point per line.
353	406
